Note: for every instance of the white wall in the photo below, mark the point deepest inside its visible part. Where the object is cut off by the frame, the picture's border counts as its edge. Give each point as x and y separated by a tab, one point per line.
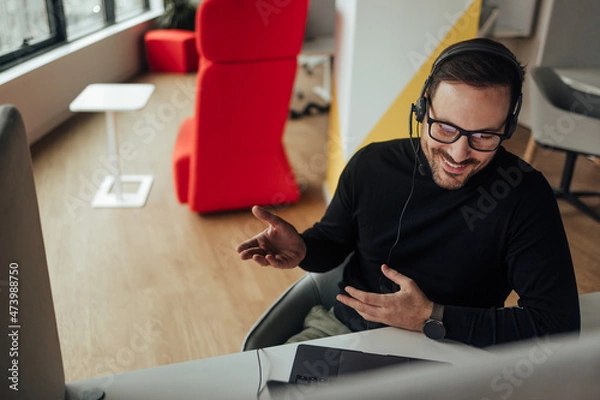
573	37
42	88
344	63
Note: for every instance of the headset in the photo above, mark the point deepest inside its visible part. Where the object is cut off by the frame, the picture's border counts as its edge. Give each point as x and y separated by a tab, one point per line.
420	107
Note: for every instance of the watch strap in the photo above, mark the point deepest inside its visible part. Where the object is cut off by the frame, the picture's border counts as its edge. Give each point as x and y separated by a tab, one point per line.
437	313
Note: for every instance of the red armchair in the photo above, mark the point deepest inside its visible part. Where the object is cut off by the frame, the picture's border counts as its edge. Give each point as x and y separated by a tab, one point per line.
229	155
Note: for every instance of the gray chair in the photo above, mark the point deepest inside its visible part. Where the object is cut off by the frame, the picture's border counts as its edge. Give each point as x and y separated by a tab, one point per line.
568	120
285	317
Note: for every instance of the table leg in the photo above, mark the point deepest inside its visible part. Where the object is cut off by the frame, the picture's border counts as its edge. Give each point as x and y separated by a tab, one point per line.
324	92
113	151
327	77
112	183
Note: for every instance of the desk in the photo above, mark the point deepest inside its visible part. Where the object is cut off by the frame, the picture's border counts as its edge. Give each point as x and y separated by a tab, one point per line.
589	304
111	98
583	79
235	376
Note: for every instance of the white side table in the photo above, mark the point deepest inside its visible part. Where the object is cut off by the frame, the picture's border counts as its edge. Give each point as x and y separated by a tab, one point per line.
111	98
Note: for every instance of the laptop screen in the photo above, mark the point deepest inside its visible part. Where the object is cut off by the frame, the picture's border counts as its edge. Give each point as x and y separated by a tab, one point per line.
320	364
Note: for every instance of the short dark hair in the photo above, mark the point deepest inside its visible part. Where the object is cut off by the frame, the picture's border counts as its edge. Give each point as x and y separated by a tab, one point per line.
480	69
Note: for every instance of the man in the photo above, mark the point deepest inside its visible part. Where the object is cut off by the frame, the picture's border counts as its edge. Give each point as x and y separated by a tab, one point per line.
440	229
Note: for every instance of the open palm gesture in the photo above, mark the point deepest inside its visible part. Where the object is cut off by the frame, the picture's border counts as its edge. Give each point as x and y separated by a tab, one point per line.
279	245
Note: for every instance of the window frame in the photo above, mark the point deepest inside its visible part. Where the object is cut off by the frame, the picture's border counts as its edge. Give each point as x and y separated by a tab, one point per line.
58	28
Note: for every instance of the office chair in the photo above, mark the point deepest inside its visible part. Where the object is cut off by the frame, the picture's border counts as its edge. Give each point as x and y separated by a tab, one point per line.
565	119
285	317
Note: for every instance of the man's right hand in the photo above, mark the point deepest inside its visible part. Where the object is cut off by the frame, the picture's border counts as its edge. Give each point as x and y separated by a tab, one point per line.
280	245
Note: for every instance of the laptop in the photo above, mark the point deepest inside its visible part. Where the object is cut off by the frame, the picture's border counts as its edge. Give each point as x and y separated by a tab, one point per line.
313	364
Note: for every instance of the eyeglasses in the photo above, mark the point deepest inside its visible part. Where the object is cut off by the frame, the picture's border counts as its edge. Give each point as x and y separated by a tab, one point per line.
445	132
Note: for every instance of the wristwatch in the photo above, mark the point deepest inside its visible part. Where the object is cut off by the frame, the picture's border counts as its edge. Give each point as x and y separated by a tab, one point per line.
433	328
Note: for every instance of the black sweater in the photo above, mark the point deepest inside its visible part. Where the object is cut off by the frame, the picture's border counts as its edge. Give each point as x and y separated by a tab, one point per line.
465	249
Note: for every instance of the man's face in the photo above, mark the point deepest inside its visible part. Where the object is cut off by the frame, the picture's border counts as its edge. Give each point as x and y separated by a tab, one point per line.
470	108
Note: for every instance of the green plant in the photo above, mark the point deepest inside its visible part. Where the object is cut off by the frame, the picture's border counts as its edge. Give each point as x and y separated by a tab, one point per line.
179	14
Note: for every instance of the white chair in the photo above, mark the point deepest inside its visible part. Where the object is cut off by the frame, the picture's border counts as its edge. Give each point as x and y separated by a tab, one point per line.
565	119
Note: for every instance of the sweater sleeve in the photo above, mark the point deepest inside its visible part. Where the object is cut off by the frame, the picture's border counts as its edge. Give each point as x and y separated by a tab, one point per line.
333	238
540	271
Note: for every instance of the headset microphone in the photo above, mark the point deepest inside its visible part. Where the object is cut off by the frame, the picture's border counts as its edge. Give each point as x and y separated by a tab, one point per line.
422	168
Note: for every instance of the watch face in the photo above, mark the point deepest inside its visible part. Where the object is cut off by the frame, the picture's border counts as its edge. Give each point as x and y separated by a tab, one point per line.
434	329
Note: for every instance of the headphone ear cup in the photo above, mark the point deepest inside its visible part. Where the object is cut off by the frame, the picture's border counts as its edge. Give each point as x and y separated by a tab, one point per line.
420	108
512	126
512	122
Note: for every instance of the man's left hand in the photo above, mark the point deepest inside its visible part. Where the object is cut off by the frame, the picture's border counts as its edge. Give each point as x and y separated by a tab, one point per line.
407	308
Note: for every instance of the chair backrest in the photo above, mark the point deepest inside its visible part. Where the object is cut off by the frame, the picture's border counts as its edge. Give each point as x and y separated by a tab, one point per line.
563	96
31	350
285	317
245	82
562	117
250	30
327	285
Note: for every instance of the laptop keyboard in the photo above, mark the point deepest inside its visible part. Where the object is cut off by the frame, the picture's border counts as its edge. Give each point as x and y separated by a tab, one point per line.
307	380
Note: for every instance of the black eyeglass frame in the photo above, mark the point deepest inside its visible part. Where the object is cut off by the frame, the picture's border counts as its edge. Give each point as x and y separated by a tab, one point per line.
463	132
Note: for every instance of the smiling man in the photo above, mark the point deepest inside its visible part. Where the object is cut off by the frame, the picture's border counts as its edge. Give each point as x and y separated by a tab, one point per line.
440	228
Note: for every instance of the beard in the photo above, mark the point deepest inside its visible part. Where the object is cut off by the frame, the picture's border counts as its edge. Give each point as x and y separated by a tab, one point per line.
446	179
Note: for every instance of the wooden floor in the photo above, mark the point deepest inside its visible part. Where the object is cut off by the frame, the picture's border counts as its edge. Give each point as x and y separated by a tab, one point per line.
138	288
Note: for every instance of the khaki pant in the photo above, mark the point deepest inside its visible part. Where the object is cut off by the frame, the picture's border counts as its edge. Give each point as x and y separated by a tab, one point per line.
319	323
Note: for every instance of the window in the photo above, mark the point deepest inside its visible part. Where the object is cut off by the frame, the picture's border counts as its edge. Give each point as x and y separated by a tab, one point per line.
125	9
25	24
32	26
83	17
